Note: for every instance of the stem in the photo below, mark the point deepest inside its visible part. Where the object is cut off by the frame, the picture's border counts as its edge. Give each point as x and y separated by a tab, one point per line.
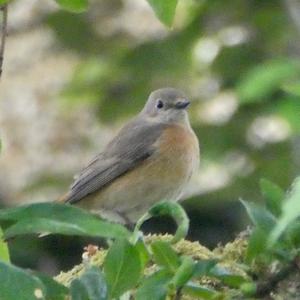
4	9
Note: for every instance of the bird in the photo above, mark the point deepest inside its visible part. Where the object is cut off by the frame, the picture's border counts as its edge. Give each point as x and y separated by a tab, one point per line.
152	158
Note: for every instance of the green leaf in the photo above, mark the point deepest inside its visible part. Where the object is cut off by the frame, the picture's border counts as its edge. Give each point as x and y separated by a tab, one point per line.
171	209
288	108
228	278
143	252
4	253
293	233
265	79
199	292
259	216
154	287
164	255
164	10
4	2
55	291
90	286
203	267
290	212
257	244
184	273
73	5
122	267
16	283
248	289
292	88
58	218
273	195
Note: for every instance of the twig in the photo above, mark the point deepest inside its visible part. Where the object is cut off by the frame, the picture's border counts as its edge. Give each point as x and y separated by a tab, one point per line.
3	34
266	287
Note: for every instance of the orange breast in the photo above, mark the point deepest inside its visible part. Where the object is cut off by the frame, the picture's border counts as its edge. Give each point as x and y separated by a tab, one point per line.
179	144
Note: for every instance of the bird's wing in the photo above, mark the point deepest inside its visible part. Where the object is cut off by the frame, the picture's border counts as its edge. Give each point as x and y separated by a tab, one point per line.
133	144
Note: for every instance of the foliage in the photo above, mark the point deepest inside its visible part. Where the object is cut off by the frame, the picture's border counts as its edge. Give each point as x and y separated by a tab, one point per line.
124	265
73	5
164	10
91	285
274	238
57	218
262	81
4	254
29	286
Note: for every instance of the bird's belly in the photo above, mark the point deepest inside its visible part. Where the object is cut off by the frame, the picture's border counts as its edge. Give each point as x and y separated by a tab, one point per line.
133	194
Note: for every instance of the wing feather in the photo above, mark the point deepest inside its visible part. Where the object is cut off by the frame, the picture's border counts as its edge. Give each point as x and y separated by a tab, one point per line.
133	144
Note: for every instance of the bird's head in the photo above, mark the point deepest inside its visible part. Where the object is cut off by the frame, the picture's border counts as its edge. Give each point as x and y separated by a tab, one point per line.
167	105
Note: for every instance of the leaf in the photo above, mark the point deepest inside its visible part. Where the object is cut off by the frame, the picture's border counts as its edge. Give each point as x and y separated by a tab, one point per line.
288	108
122	267
4	253
58	218
175	211
154	287
290	212
164	10
90	286
292	88
73	5
4	2
143	252
203	267
248	289
228	278
164	255
16	283
265	79
273	195
184	273
257	244
259	216
199	292
55	291
293	233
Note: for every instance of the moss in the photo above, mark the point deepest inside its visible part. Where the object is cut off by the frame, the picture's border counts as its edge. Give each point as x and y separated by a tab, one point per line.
183	247
67	277
231	256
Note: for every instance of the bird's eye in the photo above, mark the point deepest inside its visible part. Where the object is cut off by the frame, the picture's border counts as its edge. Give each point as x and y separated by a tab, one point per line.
159	104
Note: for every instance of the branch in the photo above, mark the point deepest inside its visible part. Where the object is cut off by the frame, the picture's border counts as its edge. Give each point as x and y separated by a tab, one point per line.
3	9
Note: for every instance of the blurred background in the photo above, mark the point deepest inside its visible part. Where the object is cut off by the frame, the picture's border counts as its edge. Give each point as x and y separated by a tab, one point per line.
71	80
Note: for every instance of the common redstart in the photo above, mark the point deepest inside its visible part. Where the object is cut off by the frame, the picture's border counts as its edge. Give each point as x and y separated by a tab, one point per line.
152	158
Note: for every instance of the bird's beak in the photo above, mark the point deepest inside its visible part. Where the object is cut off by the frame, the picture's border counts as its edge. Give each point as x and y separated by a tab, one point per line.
182	104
